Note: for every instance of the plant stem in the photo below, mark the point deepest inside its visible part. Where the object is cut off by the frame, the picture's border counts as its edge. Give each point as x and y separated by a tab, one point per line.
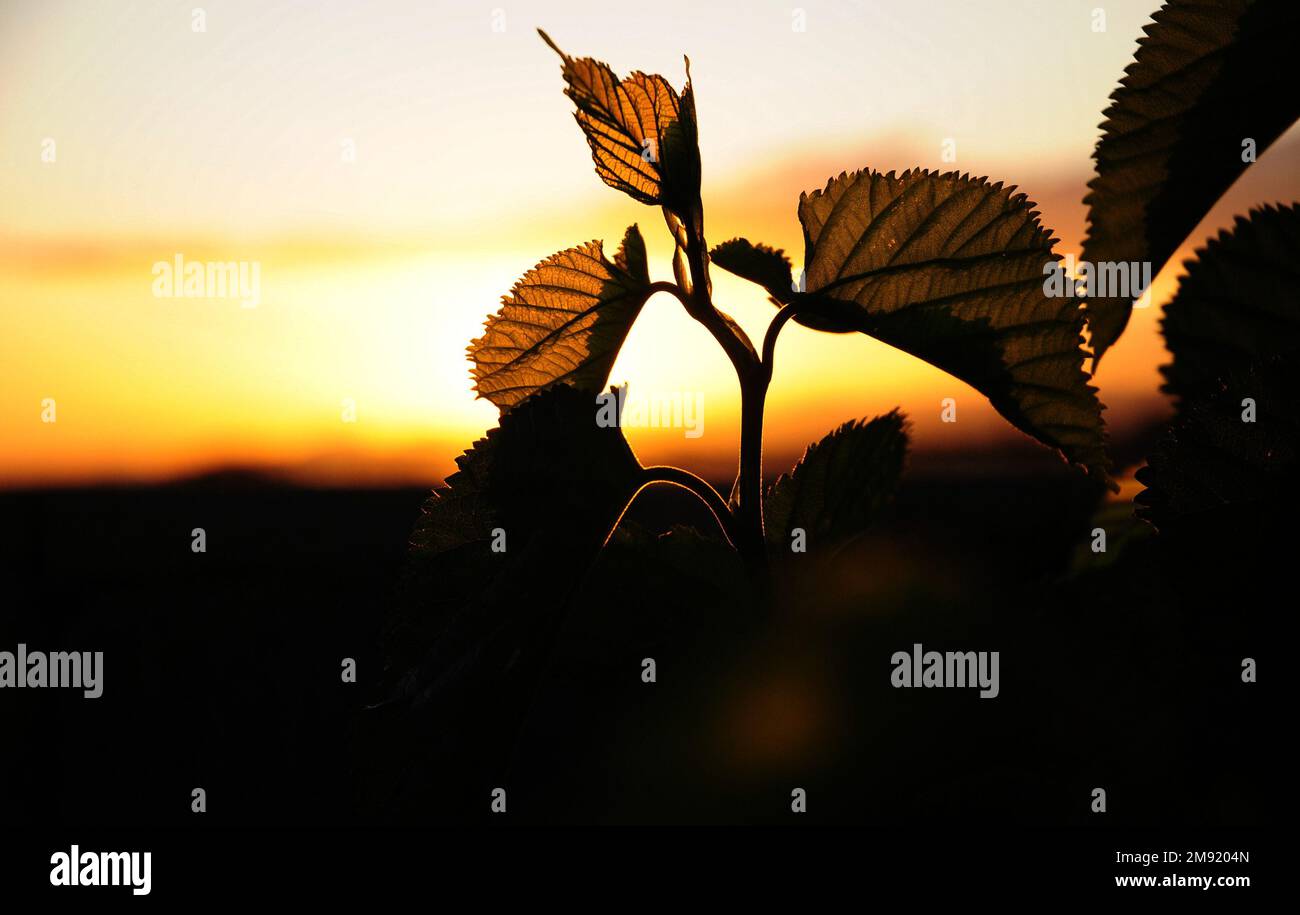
773	330
753	393
749	481
741	352
675	476
753	372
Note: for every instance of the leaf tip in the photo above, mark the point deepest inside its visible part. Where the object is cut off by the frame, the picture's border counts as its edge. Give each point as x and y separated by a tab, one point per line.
553	46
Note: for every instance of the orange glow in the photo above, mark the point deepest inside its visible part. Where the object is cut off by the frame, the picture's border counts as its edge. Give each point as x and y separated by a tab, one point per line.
376	274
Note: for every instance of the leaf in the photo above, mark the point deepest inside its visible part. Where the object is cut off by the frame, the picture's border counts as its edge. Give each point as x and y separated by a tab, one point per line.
1213	465
770	268
547	473
643	136
951	269
1202	82
467	643
1238	304
841	482
562	323
766	266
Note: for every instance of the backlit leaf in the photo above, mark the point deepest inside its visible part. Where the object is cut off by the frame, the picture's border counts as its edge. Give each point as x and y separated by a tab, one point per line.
643	136
951	269
766	266
1205	79
562	323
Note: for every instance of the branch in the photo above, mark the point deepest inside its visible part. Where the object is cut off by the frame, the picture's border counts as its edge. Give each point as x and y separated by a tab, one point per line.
671	288
785	313
675	476
698	299
744	528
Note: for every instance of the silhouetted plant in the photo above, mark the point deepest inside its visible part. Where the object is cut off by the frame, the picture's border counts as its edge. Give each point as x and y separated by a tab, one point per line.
1197	105
947	267
1193	111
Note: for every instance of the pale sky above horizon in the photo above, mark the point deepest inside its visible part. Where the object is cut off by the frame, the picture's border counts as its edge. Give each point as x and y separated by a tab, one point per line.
237	130
228	143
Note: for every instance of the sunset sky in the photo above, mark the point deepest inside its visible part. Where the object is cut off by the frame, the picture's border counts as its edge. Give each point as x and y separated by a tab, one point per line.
234	144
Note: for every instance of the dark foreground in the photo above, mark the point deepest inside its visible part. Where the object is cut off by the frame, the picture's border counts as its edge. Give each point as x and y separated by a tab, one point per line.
222	671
